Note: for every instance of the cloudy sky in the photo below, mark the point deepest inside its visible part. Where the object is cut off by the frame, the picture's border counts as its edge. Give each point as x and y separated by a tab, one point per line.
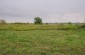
48	10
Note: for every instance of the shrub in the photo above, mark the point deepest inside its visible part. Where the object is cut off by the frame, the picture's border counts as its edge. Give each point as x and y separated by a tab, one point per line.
2	21
82	26
37	20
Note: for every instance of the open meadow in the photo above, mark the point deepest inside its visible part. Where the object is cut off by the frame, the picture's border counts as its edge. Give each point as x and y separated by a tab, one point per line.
47	39
42	27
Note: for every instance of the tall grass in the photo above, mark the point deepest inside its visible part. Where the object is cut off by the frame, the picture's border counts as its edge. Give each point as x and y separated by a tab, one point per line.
25	27
42	42
45	39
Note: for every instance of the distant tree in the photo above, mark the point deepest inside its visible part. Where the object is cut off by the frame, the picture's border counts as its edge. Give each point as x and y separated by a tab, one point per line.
27	22
2	21
47	23
19	23
69	22
37	20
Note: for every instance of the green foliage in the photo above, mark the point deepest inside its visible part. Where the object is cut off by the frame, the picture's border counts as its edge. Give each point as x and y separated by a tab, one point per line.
26	27
51	39
37	20
19	23
69	22
42	42
83	25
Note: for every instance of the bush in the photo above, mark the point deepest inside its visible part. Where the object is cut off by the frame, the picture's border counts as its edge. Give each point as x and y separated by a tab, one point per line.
37	20
2	21
82	26
19	23
70	23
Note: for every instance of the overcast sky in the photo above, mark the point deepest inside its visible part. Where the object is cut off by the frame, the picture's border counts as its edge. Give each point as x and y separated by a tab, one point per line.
48	10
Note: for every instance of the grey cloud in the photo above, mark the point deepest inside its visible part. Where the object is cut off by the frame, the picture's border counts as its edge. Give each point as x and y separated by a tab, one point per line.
49	10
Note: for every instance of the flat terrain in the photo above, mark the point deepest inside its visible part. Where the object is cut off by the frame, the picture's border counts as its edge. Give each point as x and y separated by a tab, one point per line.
42	42
27	27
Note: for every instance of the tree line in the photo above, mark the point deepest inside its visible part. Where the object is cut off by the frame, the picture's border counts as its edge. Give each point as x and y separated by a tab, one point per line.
37	20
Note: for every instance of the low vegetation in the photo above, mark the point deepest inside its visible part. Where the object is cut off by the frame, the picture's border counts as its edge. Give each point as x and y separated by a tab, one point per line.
26	27
45	39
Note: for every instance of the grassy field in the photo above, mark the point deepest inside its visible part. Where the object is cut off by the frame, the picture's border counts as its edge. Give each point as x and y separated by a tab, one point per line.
42	40
26	27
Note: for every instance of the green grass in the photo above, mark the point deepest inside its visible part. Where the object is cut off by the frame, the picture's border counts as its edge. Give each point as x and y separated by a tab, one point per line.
42	42
26	27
